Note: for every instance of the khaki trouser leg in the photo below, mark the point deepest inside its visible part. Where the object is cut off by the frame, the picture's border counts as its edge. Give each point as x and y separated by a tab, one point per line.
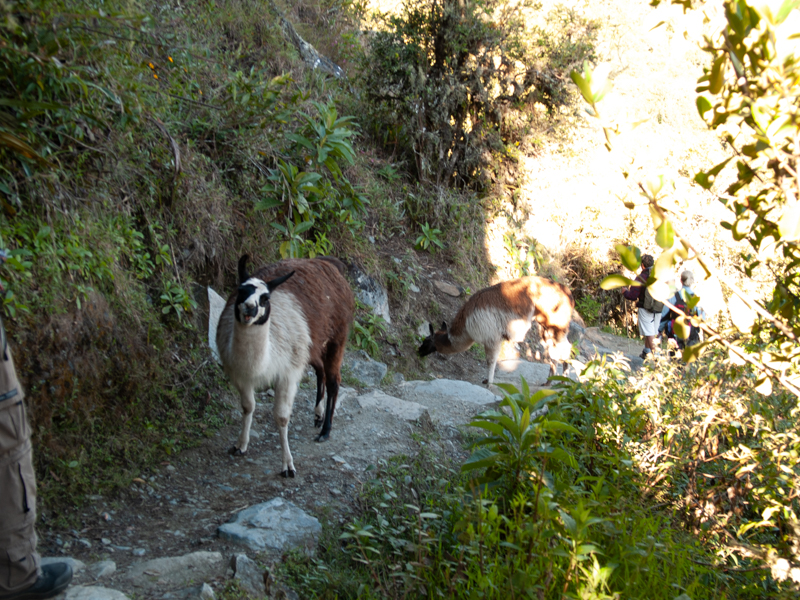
19	562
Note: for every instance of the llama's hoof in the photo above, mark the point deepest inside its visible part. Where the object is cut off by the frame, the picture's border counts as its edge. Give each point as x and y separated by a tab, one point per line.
485	382
236	452
323	437
317	422
288	473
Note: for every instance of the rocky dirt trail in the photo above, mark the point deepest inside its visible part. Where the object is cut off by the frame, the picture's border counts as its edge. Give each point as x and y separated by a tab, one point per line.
169	536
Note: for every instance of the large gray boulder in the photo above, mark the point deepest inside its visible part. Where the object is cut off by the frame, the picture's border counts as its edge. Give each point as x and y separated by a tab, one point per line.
510	371
463	391
379	401
368	372
450	403
274	526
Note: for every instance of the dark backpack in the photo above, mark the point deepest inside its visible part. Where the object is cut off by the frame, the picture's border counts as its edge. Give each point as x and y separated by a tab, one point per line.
679	301
650	303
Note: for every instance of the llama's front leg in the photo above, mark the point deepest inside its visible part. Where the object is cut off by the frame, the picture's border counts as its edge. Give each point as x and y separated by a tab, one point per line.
492	354
284	399
248	406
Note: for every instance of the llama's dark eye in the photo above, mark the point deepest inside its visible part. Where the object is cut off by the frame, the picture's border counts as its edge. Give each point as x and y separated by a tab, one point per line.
264	299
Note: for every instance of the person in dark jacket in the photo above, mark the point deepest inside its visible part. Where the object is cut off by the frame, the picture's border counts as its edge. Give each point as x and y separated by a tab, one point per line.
21	575
648	320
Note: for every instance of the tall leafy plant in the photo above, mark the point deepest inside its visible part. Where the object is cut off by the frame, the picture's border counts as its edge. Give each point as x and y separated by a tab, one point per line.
750	89
317	194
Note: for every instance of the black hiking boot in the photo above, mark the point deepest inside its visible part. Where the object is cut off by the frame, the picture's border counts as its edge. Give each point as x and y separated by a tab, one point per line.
54	579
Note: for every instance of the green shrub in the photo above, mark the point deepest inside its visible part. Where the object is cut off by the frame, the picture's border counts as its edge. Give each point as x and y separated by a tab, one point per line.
445	80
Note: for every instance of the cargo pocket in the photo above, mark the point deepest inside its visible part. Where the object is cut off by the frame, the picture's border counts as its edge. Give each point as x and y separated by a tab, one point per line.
19	569
18	482
12	427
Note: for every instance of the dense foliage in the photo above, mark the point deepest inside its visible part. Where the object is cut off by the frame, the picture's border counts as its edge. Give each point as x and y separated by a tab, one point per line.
139	155
751	92
559	499
451	83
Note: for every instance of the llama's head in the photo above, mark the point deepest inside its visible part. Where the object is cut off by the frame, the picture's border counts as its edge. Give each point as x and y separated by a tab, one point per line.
252	301
429	343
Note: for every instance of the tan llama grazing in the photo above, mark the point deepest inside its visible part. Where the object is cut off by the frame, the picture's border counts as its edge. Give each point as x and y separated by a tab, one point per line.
505	311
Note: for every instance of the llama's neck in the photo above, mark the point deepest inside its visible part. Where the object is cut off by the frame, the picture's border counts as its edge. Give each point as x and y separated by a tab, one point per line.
251	345
452	344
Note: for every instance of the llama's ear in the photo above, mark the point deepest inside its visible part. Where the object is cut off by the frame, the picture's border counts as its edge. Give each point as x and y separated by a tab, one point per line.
243	276
444	325
430	326
276	282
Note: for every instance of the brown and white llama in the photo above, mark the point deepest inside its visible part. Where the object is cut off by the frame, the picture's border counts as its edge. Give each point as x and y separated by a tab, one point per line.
285	316
505	311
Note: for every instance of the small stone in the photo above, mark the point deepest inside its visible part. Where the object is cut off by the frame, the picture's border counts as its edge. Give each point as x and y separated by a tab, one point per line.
206	593
335	492
90	592
104	568
171	469
105	541
447	288
367	371
338	459
138	551
276	525
414	288
84	542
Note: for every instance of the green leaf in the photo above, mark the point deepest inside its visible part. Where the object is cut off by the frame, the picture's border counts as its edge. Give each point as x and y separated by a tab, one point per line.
563	456
703	105
692	353
655	215
654	185
785	10
614	281
559	426
268	203
631	256
302	140
665	235
682	328
662	270
706	178
495	428
303	227
583	85
717	77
